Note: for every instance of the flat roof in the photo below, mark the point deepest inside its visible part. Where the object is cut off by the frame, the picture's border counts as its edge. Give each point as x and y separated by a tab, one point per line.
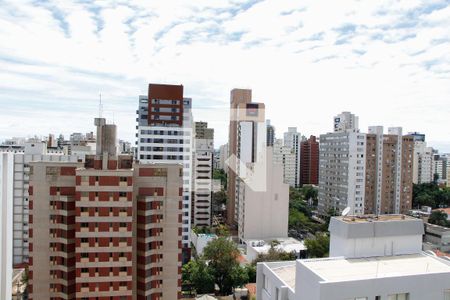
285	244
285	272
375	218
341	269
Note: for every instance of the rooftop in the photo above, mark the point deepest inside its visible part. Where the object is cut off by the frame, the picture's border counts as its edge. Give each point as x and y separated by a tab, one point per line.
341	269
375	218
285	272
285	244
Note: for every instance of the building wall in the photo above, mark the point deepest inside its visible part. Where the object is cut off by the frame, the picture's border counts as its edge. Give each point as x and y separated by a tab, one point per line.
341	172
285	156
6	224
237	96
292	139
265	213
158	206
52	230
104	232
223	156
202	182
423	163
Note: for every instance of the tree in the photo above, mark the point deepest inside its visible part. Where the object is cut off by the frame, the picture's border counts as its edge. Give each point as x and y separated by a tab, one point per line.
220	174
251	272
197	276
222	256
438	217
274	255
318	246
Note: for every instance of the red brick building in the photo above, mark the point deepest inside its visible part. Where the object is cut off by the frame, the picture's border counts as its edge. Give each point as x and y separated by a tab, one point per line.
309	161
105	228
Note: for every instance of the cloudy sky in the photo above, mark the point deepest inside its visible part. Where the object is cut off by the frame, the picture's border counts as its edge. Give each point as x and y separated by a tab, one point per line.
386	61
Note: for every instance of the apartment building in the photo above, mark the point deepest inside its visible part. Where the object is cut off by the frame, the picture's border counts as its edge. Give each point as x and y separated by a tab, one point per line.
423	166
6	224
389	171
114	231
285	156
292	139
263	213
370	173
270	134
203	158
345	121
164	135
247	144
309	161
441	166
370	259
223	156
20	158
341	172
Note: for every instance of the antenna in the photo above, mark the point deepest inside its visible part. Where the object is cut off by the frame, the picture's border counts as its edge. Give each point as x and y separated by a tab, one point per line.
100	106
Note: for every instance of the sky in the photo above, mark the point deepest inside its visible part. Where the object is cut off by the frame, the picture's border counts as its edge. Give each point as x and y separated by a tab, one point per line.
386	61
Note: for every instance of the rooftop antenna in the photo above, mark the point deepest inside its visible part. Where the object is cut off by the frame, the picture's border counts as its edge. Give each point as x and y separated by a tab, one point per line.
100	106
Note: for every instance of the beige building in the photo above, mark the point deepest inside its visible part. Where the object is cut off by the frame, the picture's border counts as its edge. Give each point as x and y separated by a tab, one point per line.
237	96
105	228
389	170
264	213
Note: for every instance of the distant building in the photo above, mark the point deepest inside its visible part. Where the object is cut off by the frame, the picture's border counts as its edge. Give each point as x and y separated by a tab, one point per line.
441	166
165	135
203	157
423	166
270	134
346	121
285	156
418	137
370	173
223	156
309	161
292	139
32	151
370	258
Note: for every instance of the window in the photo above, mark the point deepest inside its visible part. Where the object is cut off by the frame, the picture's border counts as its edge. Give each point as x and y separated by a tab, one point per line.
404	296
447	295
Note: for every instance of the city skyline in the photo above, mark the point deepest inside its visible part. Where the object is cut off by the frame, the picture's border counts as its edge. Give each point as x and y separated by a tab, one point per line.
57	57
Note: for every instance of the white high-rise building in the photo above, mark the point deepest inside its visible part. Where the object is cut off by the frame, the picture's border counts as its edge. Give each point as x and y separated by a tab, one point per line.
202	181
346	121
164	135
223	156
33	151
441	164
341	172
423	166
6	224
285	156
292	139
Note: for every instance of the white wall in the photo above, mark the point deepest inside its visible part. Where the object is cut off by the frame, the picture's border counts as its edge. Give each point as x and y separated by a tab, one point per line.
266	212
6	224
375	246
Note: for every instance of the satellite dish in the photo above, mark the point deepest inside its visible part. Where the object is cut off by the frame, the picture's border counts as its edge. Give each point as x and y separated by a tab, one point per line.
346	211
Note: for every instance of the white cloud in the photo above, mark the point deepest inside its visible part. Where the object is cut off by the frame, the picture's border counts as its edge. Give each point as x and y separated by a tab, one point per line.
387	61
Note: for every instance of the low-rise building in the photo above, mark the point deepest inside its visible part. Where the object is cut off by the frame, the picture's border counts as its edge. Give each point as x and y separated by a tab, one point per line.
375	259
288	245
436	238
